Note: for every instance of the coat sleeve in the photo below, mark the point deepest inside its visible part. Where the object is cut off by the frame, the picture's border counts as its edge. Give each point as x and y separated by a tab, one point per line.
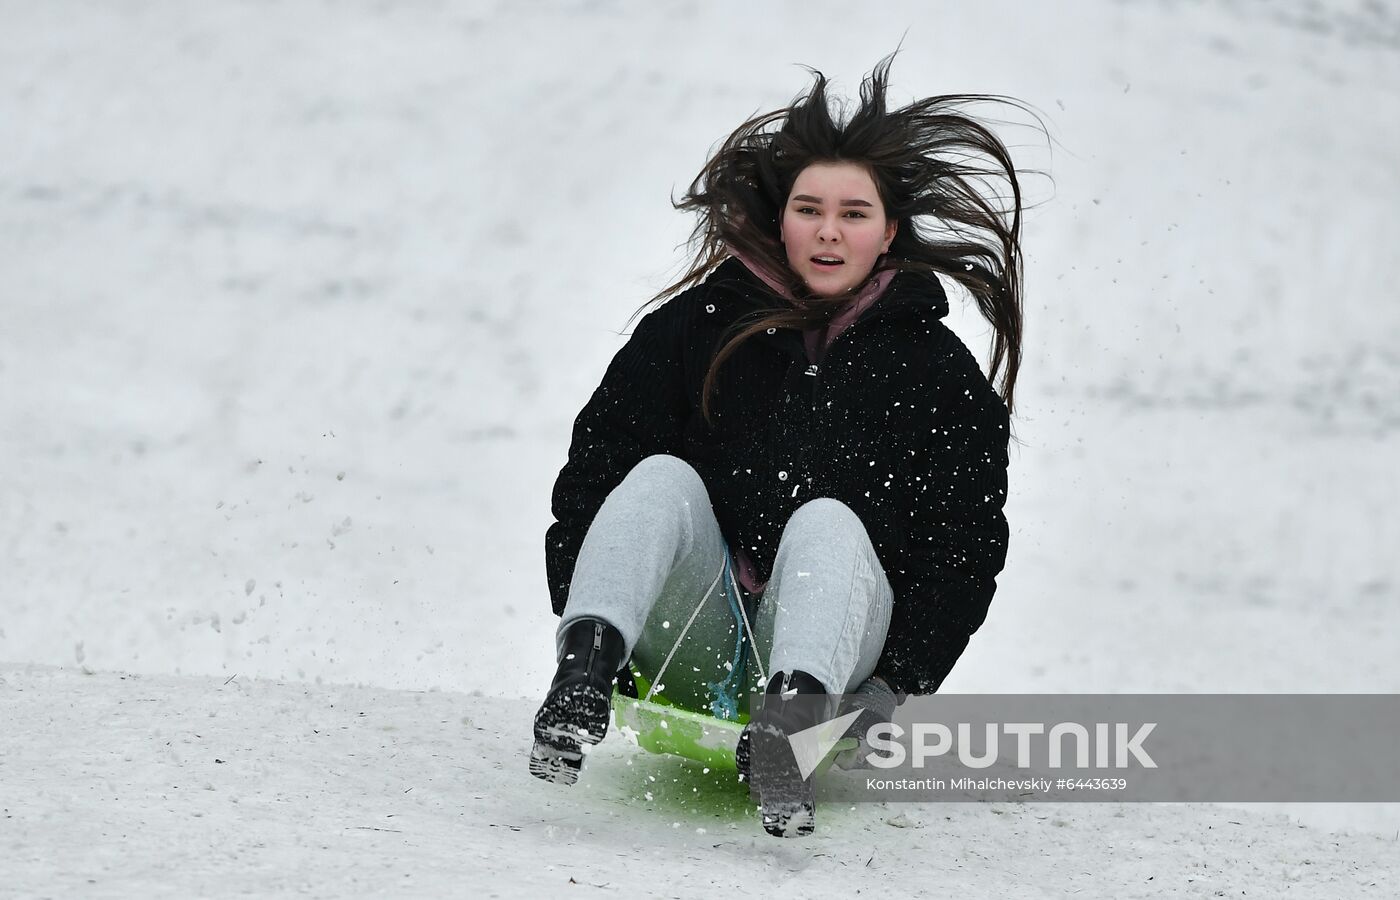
637	410
958	532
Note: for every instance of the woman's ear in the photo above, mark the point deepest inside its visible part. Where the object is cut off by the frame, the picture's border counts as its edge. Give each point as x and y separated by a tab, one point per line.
890	229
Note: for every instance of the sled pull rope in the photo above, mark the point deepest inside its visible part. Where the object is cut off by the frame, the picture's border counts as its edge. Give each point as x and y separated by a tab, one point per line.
724	569
656	682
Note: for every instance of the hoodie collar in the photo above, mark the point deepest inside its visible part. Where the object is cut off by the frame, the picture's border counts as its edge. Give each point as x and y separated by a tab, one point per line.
886	289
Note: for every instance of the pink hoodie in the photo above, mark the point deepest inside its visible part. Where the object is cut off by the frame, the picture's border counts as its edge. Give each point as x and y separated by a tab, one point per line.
816	340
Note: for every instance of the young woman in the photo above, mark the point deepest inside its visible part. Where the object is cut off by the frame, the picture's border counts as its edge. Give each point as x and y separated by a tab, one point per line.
791	477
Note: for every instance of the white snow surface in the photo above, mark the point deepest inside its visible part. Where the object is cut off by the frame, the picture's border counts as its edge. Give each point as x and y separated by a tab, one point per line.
194	786
299	302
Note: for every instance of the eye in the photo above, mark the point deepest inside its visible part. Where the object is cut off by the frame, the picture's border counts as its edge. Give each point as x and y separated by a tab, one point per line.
856	213
805	209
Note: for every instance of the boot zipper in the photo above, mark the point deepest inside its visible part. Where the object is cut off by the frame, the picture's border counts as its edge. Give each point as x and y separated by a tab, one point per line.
597	644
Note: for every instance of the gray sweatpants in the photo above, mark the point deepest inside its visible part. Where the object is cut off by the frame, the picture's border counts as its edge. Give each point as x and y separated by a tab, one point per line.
653	552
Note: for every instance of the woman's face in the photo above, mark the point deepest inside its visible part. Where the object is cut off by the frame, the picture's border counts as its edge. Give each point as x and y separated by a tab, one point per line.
834	214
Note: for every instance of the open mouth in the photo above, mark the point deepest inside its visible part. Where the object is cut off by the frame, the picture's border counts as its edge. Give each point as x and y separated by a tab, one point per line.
828	262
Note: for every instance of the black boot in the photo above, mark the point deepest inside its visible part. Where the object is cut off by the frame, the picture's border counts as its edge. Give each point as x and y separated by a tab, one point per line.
574	716
792	702
744	749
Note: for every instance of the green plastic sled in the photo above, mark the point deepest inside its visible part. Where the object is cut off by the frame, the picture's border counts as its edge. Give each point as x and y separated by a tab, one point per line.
660	727
680	732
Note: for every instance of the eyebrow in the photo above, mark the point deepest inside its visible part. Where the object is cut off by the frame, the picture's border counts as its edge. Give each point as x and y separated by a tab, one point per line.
808	198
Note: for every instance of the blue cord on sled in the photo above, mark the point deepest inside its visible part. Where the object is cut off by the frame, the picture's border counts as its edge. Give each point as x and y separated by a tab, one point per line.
725	694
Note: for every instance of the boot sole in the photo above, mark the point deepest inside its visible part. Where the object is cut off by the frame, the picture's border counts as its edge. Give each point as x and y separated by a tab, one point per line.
743	763
786	802
786	823
567	726
787	809
556	760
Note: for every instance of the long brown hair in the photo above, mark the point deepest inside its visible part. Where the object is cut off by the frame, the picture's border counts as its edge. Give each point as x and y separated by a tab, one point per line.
932	166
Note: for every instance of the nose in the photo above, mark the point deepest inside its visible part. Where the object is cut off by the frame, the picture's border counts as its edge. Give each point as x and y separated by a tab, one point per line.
828	232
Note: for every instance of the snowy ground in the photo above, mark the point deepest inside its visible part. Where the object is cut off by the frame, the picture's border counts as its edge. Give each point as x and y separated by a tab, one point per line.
203	786
299	302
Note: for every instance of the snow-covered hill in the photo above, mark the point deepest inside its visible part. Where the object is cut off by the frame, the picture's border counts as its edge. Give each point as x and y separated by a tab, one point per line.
299	302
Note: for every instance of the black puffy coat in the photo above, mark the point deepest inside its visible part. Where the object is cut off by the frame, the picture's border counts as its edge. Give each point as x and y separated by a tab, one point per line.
897	422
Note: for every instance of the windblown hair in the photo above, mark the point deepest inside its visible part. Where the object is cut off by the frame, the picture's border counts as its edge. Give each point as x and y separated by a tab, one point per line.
932	166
